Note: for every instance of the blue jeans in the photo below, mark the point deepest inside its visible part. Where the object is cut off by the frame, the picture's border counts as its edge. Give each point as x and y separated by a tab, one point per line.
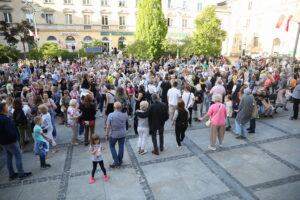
81	129
118	158
13	150
102	100
52	114
240	129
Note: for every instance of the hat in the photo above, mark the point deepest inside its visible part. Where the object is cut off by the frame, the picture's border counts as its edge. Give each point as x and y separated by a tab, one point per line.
26	89
42	76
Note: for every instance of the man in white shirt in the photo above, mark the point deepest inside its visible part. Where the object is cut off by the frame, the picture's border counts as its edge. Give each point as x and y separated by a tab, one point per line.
174	95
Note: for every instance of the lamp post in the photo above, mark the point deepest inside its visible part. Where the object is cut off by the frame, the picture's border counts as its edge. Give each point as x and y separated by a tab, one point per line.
31	10
296	44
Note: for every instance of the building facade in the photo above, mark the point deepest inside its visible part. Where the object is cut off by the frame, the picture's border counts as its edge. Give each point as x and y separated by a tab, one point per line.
250	24
72	23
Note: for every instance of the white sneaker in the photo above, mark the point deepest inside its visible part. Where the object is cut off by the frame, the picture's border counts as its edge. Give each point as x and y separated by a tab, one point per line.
212	148
221	145
144	152
179	147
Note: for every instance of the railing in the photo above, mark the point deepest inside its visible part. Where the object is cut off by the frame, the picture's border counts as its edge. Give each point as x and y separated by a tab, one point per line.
78	27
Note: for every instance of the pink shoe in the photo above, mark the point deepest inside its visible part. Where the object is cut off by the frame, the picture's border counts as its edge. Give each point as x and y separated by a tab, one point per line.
105	177
92	180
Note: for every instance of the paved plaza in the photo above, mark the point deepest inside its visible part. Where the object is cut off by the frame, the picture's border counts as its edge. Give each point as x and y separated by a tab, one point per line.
265	166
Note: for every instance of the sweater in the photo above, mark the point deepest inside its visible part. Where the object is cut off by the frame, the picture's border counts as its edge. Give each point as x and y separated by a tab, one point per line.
245	109
8	133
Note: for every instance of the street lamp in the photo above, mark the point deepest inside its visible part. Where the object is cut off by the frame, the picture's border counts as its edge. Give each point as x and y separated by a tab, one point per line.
31	10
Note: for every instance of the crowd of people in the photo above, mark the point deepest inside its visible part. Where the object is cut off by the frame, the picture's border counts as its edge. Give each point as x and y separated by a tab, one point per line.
139	93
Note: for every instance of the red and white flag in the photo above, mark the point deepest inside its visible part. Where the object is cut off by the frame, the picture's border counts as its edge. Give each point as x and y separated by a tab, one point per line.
31	33
280	21
288	23
35	35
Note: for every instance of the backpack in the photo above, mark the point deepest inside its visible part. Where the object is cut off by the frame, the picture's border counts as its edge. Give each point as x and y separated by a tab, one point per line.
19	117
125	105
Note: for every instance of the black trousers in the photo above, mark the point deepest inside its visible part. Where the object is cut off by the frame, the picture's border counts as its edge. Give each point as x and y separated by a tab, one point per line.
191	112
252	124
180	132
43	161
296	107
95	167
161	138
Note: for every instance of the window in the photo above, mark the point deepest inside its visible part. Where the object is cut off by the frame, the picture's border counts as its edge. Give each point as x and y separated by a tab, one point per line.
29	18
170	4
104	3
184	23
68	19
52	39
121	20
48	1
86	2
87	40
49	18
68	1
121	43
170	22
104	20
87	19
121	3
184	5
249	5
199	6
255	42
7	17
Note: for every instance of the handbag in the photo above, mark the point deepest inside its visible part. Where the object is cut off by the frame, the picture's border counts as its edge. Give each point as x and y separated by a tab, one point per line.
208	122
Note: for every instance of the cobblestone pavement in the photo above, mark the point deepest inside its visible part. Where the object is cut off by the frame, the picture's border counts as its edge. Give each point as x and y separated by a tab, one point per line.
265	166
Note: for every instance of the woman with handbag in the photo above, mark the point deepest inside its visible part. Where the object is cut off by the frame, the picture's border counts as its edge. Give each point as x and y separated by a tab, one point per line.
188	98
217	113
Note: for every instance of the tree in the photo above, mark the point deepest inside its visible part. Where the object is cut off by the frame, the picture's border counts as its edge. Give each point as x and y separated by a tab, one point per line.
209	35
49	50
137	49
19	32
8	53
151	26
35	54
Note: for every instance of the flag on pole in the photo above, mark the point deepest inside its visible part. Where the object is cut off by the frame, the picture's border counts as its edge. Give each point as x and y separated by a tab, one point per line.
288	23
280	21
31	33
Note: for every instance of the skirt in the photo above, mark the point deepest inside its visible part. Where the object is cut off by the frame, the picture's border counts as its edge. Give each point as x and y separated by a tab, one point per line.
110	108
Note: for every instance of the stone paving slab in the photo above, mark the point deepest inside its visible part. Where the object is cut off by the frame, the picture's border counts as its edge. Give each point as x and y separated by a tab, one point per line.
45	191
190	178
251	166
82	158
287	192
286	149
170	148
123	184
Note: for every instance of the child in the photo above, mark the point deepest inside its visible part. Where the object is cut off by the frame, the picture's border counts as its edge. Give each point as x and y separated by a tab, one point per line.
40	140
228	103
95	150
47	125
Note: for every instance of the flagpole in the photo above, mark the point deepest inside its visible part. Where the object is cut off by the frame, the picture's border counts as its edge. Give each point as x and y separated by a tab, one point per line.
296	44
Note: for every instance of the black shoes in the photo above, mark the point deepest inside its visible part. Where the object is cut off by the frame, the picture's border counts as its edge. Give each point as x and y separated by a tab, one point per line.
115	165
228	128
240	137
46	166
251	131
13	177
25	175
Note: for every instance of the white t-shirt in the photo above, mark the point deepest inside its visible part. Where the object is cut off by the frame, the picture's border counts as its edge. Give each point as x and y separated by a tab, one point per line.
173	95
188	100
152	89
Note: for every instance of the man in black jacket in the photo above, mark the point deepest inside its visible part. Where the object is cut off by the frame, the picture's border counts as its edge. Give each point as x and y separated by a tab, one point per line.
158	115
10	145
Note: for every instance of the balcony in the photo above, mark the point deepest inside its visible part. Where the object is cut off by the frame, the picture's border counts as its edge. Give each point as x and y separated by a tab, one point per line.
80	27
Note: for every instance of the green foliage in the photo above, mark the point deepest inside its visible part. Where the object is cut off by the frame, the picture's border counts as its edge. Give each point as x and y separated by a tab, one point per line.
49	50
169	48
137	49
151	26
18	32
8	53
66	55
209	35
